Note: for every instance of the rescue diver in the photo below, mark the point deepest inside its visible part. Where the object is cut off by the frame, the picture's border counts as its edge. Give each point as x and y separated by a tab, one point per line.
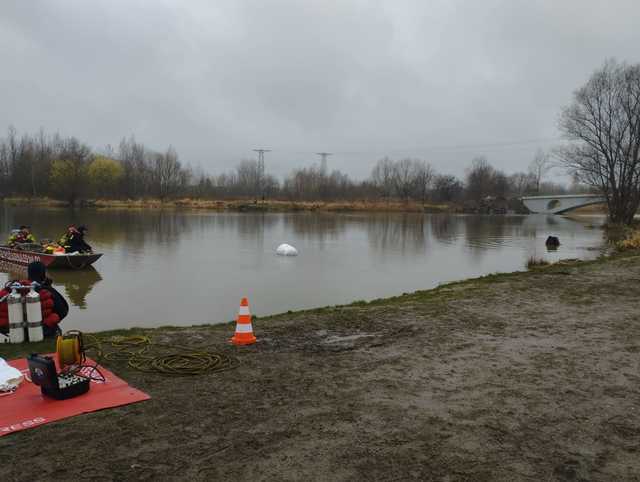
73	240
53	305
21	236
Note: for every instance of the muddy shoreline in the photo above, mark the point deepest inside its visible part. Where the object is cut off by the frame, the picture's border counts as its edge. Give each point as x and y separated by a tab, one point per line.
522	376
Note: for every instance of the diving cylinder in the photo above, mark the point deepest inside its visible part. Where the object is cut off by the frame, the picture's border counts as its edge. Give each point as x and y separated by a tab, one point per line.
34	315
16	320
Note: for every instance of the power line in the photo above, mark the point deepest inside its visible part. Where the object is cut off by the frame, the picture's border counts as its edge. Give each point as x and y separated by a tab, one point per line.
439	147
323	162
464	147
260	180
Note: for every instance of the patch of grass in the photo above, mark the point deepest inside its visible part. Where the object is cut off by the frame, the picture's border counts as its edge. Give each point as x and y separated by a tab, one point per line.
534	262
35	201
615	233
631	241
9	351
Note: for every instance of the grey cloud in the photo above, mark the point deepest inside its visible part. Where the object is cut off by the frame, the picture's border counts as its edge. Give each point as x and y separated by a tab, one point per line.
443	80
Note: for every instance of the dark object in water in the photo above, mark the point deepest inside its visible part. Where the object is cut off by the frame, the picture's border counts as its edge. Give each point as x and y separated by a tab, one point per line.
552	242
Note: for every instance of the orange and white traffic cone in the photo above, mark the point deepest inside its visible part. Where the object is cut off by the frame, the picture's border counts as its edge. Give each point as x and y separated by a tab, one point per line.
244	330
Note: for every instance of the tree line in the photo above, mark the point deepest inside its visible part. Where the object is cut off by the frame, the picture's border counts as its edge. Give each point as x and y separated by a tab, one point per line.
65	168
601	125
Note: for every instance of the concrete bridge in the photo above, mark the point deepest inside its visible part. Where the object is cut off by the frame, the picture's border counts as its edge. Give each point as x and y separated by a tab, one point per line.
560	204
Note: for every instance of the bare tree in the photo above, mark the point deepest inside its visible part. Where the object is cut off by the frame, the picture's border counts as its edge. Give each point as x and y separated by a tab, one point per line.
248	178
480	179
500	186
521	183
137	170
44	153
5	171
382	176
68	172
603	123
447	188
404	178
167	174
424	175
539	167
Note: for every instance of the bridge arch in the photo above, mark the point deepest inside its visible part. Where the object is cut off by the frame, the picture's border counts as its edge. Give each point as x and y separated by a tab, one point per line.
560	204
553	204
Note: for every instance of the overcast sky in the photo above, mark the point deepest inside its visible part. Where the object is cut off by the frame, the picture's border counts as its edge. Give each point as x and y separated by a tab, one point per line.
441	80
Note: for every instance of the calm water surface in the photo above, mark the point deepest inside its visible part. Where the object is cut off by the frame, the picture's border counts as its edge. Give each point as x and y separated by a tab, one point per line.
183	268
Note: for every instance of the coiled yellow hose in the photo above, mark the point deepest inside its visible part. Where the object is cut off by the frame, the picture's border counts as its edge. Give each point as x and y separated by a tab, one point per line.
141	353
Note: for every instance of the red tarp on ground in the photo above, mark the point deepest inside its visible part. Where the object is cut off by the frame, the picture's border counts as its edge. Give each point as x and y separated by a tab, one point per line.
27	408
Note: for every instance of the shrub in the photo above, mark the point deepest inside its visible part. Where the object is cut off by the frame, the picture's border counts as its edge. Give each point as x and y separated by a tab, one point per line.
632	241
534	262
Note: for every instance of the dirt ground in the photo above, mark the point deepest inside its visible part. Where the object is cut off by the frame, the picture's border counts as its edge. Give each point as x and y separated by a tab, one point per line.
528	376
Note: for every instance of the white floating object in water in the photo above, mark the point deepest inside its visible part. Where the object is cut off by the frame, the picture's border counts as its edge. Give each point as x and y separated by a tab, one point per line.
286	250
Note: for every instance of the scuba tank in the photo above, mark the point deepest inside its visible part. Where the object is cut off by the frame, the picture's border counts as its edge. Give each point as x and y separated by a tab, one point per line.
16	320
34	315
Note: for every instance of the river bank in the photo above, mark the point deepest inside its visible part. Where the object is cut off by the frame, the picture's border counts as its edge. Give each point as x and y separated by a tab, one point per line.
522	376
245	205
273	205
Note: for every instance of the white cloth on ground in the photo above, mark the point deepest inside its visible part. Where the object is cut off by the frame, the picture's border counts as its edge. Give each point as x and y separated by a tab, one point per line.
10	377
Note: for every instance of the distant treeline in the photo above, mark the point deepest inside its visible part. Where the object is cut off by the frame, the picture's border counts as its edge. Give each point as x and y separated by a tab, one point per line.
64	168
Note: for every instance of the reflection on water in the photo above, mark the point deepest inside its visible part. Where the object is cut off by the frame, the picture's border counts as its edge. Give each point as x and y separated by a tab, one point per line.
445	229
77	284
185	267
321	227
404	232
134	228
481	234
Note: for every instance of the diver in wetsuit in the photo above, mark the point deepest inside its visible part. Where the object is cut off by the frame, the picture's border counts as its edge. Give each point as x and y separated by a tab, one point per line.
73	240
21	236
52	315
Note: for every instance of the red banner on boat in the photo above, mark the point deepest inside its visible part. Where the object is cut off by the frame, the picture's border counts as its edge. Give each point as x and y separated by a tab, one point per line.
27	407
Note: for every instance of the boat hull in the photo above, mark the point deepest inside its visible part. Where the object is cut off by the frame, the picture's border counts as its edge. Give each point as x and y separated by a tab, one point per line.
61	261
